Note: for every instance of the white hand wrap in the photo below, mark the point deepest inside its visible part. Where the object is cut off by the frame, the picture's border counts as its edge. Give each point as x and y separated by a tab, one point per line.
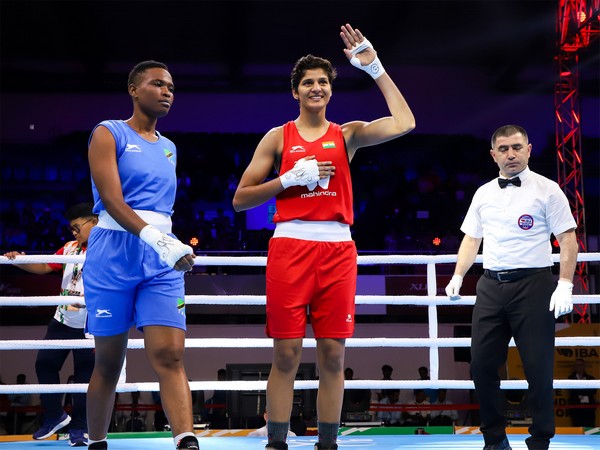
453	288
169	249
561	301
304	172
374	68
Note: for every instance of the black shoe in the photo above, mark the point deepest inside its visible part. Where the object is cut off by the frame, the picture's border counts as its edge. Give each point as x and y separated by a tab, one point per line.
188	443
319	446
102	445
504	445
277	446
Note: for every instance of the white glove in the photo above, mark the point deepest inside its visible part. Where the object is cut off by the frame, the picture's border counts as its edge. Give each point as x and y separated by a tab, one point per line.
454	287
304	172
169	249
561	301
374	68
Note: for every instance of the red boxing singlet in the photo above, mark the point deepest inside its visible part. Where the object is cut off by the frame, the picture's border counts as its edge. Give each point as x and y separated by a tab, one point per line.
315	202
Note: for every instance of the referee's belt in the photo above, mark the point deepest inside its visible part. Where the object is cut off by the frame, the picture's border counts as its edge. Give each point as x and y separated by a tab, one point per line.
513	275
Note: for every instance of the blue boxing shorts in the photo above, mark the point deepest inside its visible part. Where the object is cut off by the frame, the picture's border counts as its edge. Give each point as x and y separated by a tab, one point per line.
126	283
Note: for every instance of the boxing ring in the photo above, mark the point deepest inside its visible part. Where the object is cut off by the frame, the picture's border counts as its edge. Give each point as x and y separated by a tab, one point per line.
350	438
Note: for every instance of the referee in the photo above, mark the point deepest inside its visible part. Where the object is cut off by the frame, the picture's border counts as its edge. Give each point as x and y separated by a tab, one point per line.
515	215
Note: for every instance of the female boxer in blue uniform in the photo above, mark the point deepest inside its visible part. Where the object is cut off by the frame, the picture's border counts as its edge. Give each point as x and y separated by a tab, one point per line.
135	265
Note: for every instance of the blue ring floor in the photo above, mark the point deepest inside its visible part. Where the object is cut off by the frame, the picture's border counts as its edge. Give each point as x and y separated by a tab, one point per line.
402	442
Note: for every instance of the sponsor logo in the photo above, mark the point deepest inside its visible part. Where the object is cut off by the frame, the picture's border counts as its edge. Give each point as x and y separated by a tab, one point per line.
525	222
134	148
328	144
319	194
578	352
102	313
297	149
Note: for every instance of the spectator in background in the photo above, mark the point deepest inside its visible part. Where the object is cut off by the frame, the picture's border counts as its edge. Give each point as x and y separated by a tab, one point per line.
216	406
386	374
582	417
390	418
15	418
417	417
46	230
431	394
355	400
133	418
443	416
160	419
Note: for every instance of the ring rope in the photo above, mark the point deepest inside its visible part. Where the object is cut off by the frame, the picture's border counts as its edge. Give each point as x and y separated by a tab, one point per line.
33	344
260	300
262	260
298	384
433	342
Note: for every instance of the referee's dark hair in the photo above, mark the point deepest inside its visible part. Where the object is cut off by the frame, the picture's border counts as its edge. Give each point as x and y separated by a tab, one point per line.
509	130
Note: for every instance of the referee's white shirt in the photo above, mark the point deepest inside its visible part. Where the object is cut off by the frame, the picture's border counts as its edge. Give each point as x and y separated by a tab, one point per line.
516	222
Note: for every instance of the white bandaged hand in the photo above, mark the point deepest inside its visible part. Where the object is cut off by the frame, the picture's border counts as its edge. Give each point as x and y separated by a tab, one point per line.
169	249
303	173
561	301
374	68
453	288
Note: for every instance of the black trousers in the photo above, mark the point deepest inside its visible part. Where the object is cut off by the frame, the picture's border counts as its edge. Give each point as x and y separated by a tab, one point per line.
516	309
48	365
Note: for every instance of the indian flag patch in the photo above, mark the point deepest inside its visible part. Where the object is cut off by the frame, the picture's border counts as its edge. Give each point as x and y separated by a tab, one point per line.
328	144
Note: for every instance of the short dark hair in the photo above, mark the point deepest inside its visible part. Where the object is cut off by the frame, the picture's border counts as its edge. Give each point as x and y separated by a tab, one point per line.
80	210
141	67
509	130
386	367
310	62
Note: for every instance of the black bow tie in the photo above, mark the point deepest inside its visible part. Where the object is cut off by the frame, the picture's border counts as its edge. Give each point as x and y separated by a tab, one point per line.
503	182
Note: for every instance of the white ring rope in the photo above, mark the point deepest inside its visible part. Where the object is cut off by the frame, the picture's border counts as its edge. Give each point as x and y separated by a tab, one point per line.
262	260
33	344
434	343
298	384
258	300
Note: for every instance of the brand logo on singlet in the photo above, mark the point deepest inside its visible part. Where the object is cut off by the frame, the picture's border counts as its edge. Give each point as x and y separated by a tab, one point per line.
133	148
525	222
297	149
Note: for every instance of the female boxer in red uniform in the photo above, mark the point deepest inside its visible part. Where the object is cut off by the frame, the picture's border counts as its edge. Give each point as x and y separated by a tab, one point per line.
311	264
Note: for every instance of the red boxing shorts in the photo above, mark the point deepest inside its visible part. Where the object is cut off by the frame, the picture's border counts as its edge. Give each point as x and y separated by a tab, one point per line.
314	277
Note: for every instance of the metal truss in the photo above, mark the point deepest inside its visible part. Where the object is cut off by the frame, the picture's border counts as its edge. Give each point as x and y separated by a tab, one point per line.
577	26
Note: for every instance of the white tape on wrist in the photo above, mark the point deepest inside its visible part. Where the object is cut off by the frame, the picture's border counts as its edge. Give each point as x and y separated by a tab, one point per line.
169	249
304	172
374	68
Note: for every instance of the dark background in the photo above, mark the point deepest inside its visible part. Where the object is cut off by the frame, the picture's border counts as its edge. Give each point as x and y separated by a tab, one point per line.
465	67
